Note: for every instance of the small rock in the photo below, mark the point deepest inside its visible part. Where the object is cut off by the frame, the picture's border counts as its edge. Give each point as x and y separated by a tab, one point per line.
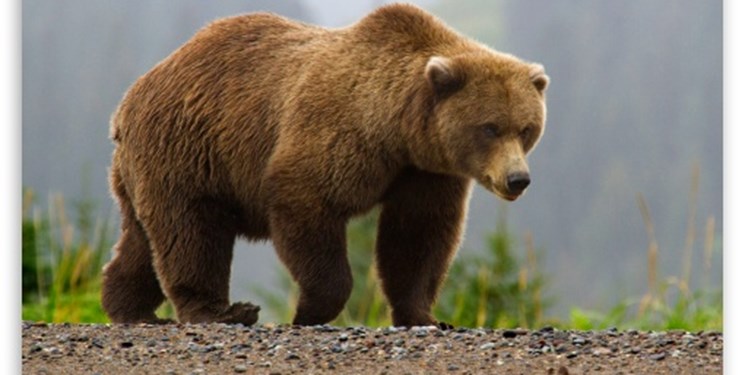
292	356
452	367
509	334
487	346
421	333
97	343
126	344
601	351
579	341
658	356
572	354
240	368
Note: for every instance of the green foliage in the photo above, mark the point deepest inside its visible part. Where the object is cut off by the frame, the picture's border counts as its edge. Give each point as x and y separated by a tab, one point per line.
62	261
669	304
493	288
701	310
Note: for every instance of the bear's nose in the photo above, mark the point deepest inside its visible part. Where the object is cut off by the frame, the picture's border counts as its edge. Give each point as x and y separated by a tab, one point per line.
517	182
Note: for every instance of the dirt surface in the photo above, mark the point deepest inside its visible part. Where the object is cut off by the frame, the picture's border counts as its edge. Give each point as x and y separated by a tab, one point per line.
235	349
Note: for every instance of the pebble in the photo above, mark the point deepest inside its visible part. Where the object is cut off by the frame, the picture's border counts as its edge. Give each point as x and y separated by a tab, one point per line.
579	341
97	343
658	356
487	346
126	344
509	334
601	351
292	356
240	368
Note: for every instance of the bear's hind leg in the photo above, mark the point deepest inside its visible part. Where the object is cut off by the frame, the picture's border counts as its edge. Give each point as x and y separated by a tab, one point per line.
419	230
130	291
193	249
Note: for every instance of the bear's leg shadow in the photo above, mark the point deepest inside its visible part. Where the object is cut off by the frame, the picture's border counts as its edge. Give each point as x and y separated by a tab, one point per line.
313	248
419	231
130	291
193	248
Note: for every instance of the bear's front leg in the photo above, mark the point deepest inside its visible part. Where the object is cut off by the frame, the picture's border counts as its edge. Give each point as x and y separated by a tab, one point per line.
313	248
419	231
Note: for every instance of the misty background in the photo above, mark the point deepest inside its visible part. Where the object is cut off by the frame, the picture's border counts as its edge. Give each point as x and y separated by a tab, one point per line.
634	107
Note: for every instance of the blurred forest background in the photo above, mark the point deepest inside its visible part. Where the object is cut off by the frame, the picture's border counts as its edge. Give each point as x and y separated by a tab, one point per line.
634	110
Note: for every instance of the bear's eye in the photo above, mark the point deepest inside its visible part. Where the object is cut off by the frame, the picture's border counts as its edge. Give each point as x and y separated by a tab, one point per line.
491	130
525	134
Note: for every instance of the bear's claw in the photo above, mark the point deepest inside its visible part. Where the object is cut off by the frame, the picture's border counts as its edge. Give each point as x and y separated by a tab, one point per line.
444	326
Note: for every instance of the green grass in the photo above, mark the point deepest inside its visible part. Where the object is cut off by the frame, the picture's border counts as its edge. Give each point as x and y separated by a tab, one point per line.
62	260
668	304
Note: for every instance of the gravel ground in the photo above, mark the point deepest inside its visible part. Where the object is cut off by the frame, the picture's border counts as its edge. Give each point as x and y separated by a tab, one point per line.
235	349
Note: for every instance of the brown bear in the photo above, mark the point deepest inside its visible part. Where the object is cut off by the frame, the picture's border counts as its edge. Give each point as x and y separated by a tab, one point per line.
267	128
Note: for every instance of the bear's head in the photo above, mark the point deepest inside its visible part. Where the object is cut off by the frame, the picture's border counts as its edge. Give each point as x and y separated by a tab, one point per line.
488	113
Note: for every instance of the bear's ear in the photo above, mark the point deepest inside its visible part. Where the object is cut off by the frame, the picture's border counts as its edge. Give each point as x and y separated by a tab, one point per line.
538	77
443	75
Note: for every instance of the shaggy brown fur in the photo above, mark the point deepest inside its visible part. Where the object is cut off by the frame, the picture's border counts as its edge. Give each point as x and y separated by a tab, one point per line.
268	128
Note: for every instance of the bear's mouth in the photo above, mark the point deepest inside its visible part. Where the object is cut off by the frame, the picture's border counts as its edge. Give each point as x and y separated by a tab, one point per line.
511	198
489	184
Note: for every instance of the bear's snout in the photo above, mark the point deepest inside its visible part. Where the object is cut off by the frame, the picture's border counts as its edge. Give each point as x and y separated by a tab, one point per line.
517	182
